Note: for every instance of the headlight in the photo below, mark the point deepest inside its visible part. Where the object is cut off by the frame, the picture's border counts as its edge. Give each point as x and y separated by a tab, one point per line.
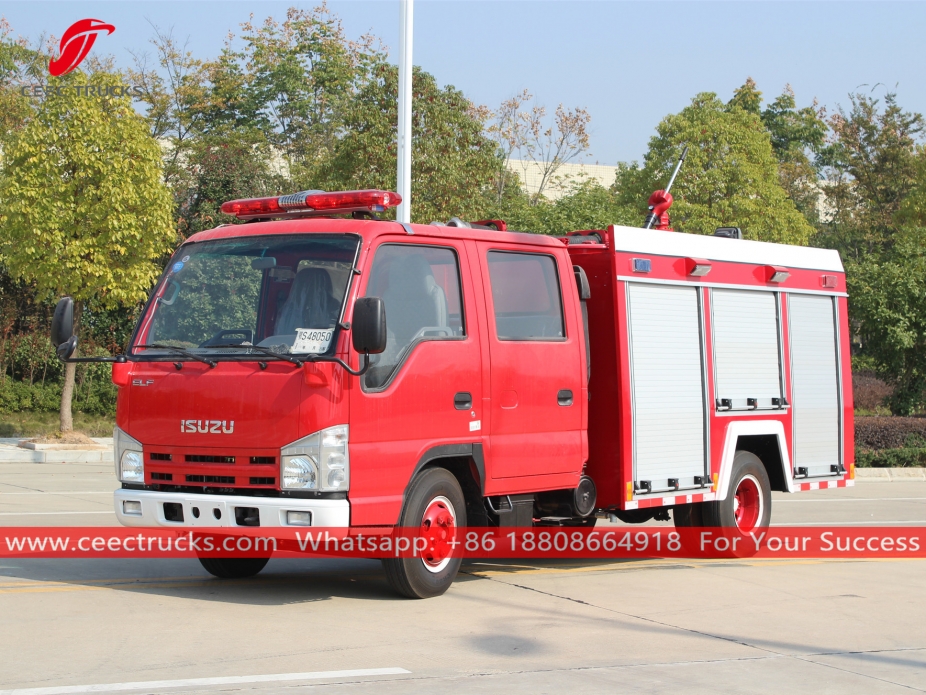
320	461
133	468
130	464
300	472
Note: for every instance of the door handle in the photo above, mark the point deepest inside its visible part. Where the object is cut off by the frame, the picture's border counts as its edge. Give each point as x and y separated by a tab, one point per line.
463	400
564	397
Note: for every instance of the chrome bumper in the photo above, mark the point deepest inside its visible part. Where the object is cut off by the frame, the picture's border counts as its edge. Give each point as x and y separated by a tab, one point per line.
219	510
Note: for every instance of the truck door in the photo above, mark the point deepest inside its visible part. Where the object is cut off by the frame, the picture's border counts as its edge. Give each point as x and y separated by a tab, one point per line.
815	385
535	365
425	390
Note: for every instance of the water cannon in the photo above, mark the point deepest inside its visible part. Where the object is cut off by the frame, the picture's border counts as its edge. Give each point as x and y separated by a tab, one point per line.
660	201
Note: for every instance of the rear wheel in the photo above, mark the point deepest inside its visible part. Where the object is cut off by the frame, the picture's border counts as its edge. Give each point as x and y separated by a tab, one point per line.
436	505
233	567
748	504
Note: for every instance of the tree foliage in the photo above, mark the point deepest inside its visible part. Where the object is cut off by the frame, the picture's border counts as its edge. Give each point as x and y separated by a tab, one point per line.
873	165
730	178
888	296
83	211
454	162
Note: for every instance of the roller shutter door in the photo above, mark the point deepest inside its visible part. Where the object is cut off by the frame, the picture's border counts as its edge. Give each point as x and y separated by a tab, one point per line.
746	357
814	383
667	384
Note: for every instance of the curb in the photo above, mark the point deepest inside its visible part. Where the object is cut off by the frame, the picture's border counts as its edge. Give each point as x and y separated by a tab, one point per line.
890	475
10	452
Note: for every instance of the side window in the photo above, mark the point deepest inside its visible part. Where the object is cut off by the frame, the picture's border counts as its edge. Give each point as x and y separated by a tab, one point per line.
526	295
420	286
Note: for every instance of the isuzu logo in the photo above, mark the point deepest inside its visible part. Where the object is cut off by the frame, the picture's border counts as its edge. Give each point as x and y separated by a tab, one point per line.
207	426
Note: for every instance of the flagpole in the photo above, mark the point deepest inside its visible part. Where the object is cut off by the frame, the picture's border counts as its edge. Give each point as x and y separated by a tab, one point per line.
404	140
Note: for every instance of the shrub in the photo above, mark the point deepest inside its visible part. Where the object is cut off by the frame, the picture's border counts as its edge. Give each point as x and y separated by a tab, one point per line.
879	433
891	458
870	392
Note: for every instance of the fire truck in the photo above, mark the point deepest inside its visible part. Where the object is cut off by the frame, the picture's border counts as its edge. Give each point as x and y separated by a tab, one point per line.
318	367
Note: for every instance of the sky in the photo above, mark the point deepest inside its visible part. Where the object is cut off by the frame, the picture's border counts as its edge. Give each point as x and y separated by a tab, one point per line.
629	63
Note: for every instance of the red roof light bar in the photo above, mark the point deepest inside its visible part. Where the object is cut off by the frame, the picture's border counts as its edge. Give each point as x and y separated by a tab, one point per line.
312	201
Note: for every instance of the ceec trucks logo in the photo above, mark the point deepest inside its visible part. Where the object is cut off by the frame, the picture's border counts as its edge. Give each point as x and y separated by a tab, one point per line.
76	43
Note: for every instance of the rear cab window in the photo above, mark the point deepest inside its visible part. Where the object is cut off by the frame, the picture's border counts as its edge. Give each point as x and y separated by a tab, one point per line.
526	296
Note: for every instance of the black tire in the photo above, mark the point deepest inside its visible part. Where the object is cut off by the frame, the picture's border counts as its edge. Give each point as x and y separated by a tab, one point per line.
233	567
415	577
748	472
688	515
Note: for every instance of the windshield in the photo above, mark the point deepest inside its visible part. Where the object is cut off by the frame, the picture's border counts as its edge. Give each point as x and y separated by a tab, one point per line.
284	293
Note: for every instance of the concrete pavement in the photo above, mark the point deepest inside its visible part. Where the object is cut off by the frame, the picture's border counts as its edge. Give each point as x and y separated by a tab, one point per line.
553	627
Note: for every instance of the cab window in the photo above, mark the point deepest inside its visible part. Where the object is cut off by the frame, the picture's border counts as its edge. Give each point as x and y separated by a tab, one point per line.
526	296
420	286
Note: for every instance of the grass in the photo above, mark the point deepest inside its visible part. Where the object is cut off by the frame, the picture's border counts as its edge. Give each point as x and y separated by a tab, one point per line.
32	424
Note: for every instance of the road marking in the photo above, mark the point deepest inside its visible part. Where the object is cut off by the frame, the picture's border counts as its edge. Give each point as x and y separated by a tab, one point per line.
194	682
73	492
49	514
848	523
853	499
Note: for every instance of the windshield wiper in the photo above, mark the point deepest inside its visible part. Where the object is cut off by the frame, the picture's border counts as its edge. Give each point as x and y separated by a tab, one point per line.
264	351
181	351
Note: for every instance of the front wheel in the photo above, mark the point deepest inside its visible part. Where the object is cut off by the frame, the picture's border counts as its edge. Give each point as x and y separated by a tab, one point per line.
436	505
233	567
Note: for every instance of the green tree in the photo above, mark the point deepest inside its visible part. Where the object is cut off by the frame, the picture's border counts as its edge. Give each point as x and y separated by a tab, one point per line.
218	169
729	179
453	161
872	165
83	210
290	80
587	206
888	307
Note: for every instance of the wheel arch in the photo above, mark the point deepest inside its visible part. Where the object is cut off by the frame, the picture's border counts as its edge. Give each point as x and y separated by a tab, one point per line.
464	462
765	439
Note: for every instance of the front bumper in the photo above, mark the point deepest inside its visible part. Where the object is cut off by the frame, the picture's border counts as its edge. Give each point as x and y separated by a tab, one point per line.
219	510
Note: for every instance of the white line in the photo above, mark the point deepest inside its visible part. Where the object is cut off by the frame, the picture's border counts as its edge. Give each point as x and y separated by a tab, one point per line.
48	514
849	523
193	682
854	499
48	492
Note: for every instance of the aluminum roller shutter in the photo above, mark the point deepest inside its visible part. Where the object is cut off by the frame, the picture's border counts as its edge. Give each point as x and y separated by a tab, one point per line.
667	384
814	383
746	357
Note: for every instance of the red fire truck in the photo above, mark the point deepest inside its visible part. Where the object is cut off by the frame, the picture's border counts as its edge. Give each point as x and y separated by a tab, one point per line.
318	367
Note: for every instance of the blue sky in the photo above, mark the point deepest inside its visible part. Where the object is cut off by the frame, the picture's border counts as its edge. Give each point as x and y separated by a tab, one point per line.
628	63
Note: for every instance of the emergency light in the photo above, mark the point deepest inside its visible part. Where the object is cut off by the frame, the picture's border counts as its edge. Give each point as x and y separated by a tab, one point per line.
306	202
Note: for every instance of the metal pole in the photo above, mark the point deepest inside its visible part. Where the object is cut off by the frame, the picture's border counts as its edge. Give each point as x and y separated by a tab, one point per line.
404	140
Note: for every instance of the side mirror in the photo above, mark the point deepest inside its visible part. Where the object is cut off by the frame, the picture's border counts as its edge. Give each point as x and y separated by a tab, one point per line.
368	327
67	348
62	324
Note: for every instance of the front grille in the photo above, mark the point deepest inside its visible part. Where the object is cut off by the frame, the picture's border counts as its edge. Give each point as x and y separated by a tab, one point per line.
228	479
212	470
197	458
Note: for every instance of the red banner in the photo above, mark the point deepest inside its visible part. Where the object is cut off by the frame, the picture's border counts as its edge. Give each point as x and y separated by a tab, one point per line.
541	543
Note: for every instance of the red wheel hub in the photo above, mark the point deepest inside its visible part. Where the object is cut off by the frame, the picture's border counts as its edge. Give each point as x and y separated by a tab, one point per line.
438	528
747	504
